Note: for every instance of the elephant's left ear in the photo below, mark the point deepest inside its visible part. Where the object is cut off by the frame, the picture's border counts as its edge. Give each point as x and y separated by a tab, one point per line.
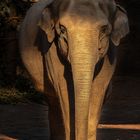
120	26
46	23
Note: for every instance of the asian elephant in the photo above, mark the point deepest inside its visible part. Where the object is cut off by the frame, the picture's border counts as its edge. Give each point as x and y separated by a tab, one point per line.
68	47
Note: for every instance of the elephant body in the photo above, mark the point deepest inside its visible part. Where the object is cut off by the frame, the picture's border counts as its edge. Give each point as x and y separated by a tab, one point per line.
67	48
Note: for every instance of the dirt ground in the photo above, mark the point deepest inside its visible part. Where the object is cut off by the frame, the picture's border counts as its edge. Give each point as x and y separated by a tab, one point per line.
30	121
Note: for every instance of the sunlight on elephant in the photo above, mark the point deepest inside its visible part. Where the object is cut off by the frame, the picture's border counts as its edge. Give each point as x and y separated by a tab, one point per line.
68	47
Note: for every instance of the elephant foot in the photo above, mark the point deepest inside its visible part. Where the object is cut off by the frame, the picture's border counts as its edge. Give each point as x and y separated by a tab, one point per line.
57	137
92	137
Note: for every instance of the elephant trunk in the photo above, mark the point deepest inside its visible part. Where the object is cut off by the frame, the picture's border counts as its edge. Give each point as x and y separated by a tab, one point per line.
83	61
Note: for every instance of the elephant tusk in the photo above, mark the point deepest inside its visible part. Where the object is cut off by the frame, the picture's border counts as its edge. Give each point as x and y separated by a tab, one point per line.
120	126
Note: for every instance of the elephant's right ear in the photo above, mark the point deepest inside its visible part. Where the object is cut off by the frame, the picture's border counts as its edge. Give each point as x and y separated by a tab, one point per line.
46	23
120	25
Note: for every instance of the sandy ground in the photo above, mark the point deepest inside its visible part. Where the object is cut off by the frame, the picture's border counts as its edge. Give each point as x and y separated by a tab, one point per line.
30	121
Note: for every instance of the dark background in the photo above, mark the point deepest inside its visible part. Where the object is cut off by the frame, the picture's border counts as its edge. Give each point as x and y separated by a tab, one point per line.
129	51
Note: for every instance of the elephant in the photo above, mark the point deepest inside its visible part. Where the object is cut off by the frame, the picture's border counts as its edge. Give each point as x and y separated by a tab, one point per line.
69	49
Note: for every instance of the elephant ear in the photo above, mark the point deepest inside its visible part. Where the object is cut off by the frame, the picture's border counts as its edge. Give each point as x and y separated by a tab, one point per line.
120	26
46	23
46	32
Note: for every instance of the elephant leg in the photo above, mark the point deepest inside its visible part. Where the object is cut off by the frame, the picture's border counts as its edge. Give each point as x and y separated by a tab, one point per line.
99	88
57	129
56	72
108	92
58	119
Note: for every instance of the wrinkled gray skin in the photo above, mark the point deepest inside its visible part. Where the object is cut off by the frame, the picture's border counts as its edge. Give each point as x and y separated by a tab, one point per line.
61	42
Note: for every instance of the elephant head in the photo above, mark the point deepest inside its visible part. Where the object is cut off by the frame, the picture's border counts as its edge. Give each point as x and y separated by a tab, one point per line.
83	30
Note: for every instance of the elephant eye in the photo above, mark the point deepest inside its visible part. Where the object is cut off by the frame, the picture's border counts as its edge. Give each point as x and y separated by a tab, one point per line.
105	31
62	29
63	32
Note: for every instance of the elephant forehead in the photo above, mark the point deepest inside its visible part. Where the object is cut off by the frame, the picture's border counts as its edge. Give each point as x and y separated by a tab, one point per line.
85	12
87	9
82	9
74	21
